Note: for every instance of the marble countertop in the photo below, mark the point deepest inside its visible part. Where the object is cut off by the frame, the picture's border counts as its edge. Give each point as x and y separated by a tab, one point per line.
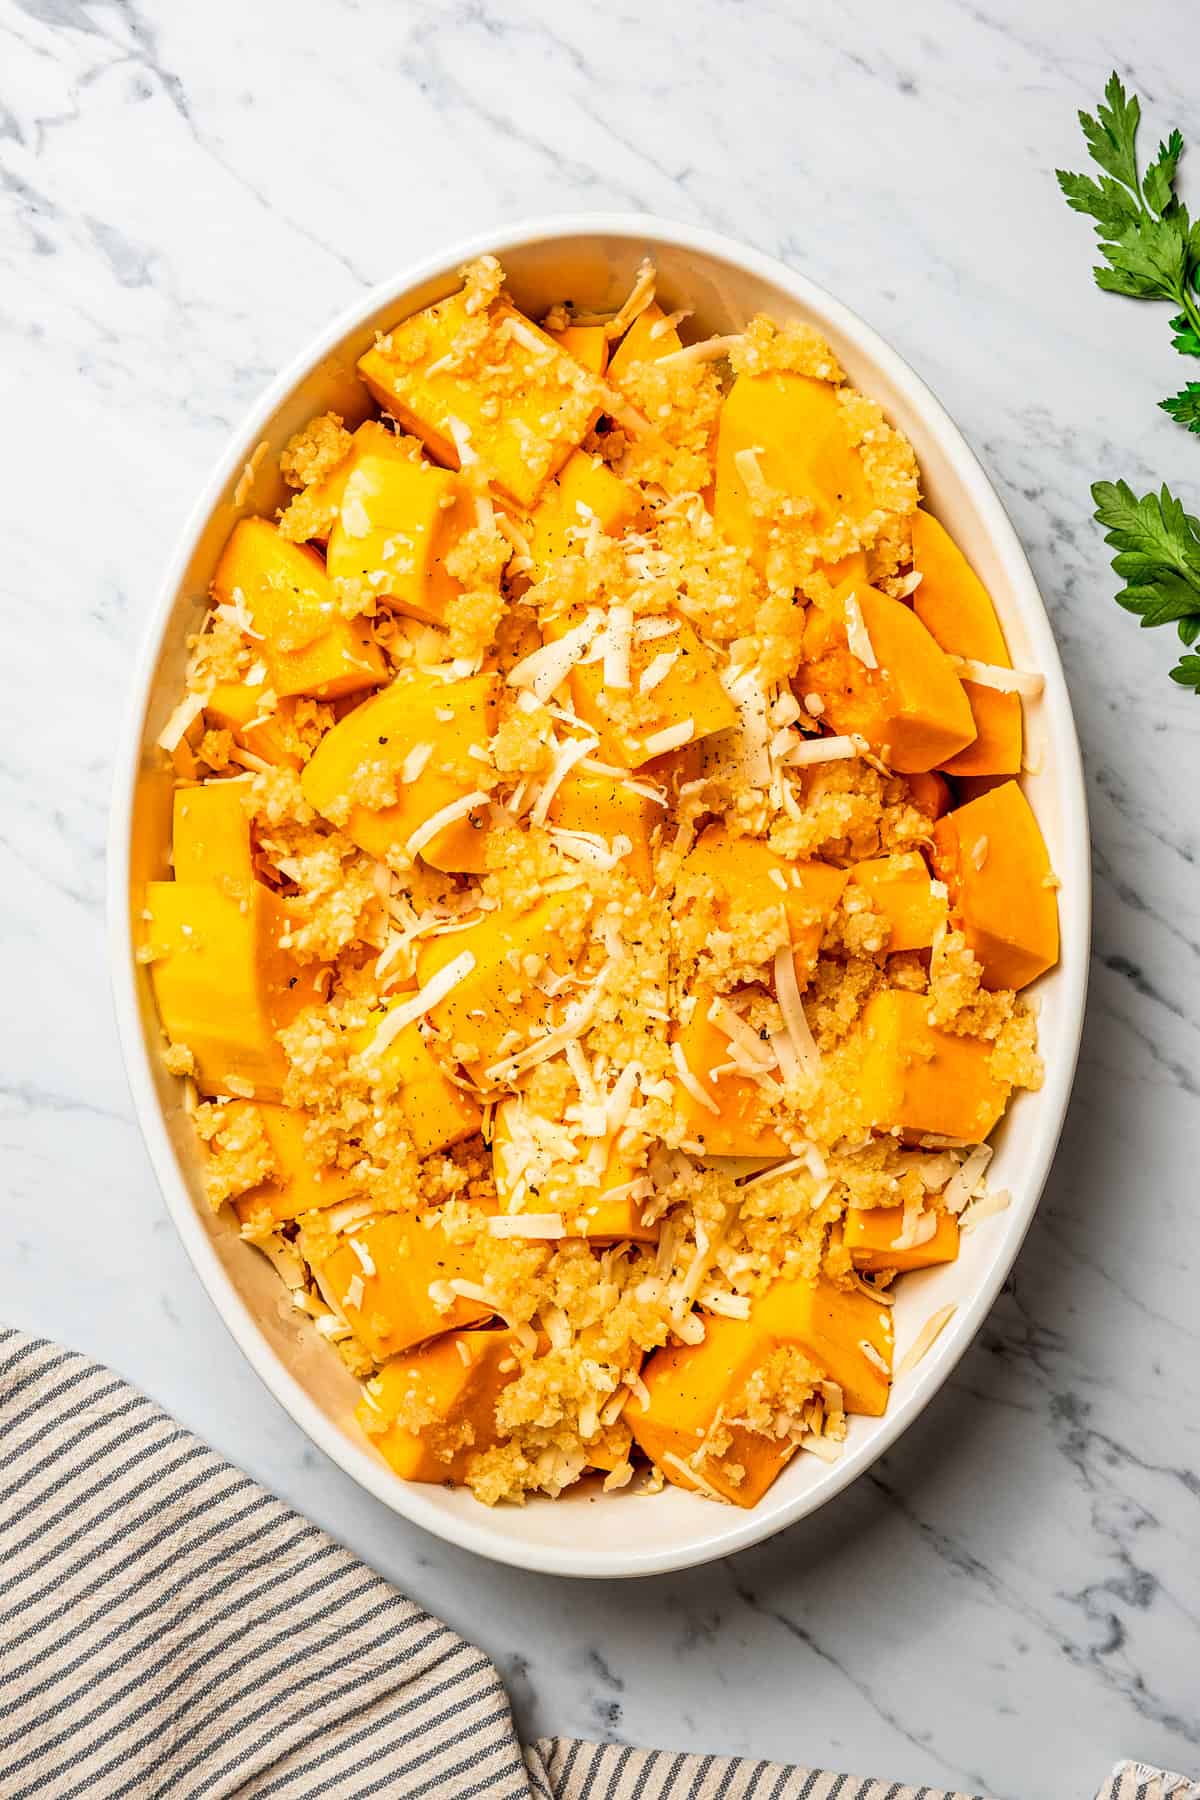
1012	1597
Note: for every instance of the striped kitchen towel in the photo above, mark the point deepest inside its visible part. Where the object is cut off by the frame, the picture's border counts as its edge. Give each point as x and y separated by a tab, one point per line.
168	1628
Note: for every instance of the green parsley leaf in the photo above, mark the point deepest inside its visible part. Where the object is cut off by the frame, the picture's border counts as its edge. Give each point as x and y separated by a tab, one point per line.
1184	407
1158	558
1150	245
1187	673
1112	135
1187	336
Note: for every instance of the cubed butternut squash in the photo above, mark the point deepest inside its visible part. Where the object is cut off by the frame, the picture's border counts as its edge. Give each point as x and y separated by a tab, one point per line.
490	379
695	1390
382	1288
993	858
794	428
210	837
955	607
915	1078
691	1389
648	339
584	489
437	1111
236	707
631	722
588	344
398	520
900	889
545	1168
223	985
930	792
429	1413
870	1235
401	757
609	808
300	1184
735	1119
498	1008
745	879
911	707
307	645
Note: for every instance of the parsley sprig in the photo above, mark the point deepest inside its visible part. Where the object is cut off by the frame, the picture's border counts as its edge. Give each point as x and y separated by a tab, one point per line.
1150	245
1158	558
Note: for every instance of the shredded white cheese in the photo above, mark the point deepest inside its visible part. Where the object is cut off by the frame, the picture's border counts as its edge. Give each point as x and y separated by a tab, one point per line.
445	815
527	1225
925	1339
1004	681
671	737
857	636
434	991
184	715
822	750
618	639
787	991
689	1081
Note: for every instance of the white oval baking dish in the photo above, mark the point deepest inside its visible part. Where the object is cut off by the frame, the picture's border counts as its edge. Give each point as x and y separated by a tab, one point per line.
592	259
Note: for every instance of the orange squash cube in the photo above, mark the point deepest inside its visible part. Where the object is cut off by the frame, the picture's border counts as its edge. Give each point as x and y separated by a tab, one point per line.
588	344
497	1008
223	985
398	520
383	1293
844	1331
900	889
911	708
744	877
610	809
870	1234
630	723
452	1387
737	1120
307	645
993	858
930	792
795	428
298	1185
648	339
413	739
914	1077
585	488
210	837
523	403
437	1111
955	607
236	707
548	1170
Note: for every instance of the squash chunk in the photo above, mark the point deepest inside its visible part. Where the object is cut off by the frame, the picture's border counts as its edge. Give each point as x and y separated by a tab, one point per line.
299	1185
870	1234
691	1388
498	1008
436	1110
916	1078
648	339
391	1309
930	792
911	709
745	878
628	721
993	858
609	808
236	707
524	403
741	1125
696	1390
398	519
308	647
418	727
955	607
584	489
428	1414
541	1167
588	344
795	429
210	837
899	888
223	985
843	1330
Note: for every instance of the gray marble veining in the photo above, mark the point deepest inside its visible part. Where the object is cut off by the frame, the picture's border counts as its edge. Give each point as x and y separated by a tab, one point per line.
1012	1598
